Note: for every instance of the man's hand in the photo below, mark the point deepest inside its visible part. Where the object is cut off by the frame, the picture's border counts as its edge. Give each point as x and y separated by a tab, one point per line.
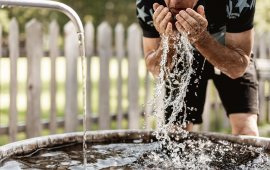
192	23
162	17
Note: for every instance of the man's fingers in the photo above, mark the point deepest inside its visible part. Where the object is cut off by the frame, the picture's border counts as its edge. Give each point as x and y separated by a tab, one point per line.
162	15
198	17
155	6
183	22
189	20
157	12
180	28
164	22
169	29
201	11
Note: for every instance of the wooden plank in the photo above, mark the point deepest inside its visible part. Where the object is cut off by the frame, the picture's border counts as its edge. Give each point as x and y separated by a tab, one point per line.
147	102
13	44
60	123
120	52
0	70
1	52
34	53
89	38
104	37
255	49
267	44
54	53
262	75
267	82
71	54
216	106
262	101
262	46
89	43
207	108
148	99
268	101
134	54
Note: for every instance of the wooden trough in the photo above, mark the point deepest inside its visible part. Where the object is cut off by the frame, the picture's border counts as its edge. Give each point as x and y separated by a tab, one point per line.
111	136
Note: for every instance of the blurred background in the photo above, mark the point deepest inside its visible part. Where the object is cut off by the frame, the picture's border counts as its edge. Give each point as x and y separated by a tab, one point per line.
113	11
116	20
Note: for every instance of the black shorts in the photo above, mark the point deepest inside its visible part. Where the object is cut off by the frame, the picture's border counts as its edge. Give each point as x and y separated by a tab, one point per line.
237	95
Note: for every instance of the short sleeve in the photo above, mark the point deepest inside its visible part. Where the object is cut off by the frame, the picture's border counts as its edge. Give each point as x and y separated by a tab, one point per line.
240	15
145	17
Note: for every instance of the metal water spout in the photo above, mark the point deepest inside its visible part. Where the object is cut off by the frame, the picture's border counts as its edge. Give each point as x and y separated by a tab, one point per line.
48	5
80	30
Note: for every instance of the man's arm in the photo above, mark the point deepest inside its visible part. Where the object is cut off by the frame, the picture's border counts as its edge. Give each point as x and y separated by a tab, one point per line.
152	53
152	46
233	58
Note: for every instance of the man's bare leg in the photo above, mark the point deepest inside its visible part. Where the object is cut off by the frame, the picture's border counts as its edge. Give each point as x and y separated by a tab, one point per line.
189	127
244	124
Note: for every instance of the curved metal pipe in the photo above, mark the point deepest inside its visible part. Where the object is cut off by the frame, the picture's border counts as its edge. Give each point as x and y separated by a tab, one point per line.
68	11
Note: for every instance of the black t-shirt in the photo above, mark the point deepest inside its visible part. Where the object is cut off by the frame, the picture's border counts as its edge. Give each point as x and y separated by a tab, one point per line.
232	16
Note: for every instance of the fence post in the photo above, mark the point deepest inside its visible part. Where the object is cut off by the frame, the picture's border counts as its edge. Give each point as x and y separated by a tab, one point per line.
147	99
54	52
255	49
120	52
0	64
207	108
105	52
262	54
34	54
268	94
89	43
71	54
13	44
216	106
262	45
1	52
134	54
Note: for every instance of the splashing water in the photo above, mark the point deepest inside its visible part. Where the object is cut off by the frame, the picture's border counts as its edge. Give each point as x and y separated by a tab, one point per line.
177	148
176	81
203	153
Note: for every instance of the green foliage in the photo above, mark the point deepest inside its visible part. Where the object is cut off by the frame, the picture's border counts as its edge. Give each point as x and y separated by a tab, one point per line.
113	11
262	16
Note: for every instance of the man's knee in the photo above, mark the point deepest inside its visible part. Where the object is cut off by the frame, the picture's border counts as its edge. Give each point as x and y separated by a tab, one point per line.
244	124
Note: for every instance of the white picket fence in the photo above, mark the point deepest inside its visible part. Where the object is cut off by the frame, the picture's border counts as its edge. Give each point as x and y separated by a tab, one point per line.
34	125
132	49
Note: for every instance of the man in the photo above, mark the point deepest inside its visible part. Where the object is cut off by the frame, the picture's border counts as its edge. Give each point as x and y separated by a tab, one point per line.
221	31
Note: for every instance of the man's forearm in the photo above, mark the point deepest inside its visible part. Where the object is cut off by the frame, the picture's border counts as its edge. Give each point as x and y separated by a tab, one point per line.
229	60
153	58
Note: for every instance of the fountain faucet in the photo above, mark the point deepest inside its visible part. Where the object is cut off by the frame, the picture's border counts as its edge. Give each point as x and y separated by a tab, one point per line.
48	4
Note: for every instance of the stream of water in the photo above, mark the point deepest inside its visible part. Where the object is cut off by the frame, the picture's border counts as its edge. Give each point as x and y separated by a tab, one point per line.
177	81
84	73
